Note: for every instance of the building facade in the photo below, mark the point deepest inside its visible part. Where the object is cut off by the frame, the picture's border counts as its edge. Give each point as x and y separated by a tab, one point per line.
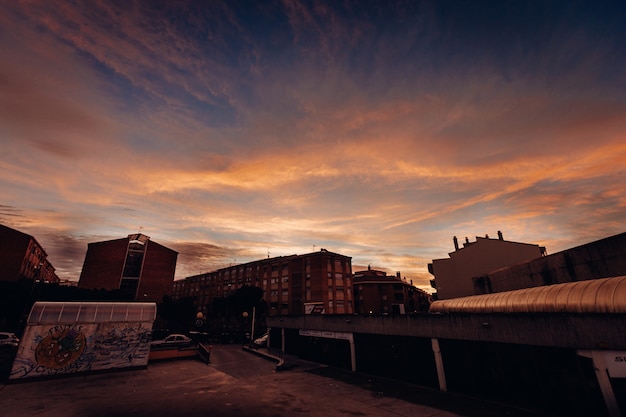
140	268
297	284
22	257
375	292
454	275
604	258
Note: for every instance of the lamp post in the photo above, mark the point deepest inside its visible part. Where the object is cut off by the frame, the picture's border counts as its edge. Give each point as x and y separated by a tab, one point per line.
199	319
253	320
244	316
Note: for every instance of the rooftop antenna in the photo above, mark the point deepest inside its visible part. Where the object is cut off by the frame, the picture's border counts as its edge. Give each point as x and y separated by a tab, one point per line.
268	253
313	248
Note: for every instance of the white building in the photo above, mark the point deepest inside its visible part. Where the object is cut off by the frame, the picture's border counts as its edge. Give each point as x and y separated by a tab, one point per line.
453	275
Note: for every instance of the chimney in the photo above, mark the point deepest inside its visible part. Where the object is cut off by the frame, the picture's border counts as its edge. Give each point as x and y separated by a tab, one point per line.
398	275
500	235
456	243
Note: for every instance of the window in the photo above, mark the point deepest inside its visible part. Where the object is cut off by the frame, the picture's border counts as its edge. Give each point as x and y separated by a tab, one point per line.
132	267
338	265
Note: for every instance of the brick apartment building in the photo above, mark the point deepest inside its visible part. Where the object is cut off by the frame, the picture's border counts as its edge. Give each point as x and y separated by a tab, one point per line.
312	283
22	257
140	268
375	292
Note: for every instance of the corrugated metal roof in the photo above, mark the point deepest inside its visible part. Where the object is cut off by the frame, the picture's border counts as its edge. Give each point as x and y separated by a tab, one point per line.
606	295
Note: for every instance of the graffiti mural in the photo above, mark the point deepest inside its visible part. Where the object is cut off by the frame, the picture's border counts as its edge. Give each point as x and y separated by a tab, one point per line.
47	350
61	347
65	349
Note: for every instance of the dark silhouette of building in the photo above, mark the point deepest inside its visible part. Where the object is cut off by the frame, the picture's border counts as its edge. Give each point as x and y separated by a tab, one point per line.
603	258
140	268
318	282
22	257
375	292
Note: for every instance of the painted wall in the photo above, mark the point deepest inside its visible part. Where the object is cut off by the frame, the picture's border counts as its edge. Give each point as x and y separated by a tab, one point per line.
48	350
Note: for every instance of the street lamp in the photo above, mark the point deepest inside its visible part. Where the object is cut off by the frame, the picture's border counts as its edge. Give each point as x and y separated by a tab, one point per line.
244	316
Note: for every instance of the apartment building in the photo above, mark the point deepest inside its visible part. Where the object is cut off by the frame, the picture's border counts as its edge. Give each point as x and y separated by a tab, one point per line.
454	275
140	268
318	282
22	257
604	258
375	292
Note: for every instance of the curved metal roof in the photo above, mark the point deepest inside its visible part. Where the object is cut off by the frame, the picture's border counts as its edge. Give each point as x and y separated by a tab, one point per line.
605	295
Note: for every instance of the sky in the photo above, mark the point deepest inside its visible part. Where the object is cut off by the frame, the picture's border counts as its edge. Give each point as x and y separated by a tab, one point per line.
231	131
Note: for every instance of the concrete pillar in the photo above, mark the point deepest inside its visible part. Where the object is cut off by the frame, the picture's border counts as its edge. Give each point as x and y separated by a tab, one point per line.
282	336
441	375
352	352
602	374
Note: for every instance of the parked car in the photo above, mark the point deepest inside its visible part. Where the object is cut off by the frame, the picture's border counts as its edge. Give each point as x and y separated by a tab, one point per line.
8	339
261	341
173	340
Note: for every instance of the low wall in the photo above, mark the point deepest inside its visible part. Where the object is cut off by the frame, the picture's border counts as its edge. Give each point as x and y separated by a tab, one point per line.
64	349
71	338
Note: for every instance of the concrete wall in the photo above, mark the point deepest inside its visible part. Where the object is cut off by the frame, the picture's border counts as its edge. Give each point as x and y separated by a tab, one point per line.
576	331
535	361
453	276
600	259
49	350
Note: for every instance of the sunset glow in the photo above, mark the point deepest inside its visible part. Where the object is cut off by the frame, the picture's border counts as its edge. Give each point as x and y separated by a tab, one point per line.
378	130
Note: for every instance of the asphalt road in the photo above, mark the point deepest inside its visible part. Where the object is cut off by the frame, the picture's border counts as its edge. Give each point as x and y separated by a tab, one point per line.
232	360
235	383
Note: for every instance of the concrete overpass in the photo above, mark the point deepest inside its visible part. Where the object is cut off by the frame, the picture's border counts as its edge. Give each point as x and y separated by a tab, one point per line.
565	343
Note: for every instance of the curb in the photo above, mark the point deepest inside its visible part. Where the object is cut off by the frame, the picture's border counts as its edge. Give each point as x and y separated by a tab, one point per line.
280	362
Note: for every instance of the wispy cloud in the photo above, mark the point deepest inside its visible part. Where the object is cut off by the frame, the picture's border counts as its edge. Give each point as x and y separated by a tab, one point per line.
228	129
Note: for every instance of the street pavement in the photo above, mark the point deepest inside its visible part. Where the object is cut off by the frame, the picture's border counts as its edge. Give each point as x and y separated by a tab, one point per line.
234	383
